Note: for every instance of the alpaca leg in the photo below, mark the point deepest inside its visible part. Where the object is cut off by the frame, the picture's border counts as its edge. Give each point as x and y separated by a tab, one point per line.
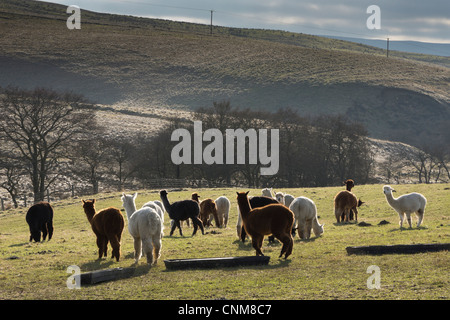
157	243
308	225
115	245
194	223
257	244
147	247
338	213
137	249
178	225
302	229
401	216
50	230
290	245
408	218
243	233
347	215
287	241
100	245
44	231
420	214
197	223
105	246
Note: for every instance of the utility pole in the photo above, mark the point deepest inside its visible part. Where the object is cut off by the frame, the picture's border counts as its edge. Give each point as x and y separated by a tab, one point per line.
211	21
387	48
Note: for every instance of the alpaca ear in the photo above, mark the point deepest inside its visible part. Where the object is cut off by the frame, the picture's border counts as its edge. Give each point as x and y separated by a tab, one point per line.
247	193
93	200
237	193
83	201
135	195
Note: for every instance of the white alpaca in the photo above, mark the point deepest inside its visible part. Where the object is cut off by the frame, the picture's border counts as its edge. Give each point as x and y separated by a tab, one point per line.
267	192
158	206
283	198
406	204
223	209
146	227
305	213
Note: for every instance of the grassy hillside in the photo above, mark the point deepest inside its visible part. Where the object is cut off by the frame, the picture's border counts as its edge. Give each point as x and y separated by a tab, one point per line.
147	64
318	268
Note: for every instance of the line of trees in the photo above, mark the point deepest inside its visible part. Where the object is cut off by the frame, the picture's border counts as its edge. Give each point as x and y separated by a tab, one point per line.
49	139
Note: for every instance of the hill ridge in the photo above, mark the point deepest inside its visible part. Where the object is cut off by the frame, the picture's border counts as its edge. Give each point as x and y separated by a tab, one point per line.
137	63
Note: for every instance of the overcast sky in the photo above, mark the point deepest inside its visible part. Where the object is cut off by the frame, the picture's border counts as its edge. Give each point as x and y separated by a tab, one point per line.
427	21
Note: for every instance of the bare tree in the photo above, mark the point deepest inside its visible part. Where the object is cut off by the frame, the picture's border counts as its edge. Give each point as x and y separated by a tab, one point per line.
38	123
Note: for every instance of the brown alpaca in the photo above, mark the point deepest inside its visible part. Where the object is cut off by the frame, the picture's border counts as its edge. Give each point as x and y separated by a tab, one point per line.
207	208
344	203
349	184
107	225
195	197
274	219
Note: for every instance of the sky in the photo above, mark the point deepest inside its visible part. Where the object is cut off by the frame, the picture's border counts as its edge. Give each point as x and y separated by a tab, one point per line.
417	20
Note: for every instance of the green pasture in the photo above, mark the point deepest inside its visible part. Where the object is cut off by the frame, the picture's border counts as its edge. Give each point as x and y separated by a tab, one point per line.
319	268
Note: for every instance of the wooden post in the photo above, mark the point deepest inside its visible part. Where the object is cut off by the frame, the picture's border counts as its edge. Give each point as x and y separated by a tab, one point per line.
387	48
25	200
48	196
211	26
3	205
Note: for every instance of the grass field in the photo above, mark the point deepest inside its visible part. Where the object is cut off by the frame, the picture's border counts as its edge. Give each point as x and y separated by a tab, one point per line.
318	268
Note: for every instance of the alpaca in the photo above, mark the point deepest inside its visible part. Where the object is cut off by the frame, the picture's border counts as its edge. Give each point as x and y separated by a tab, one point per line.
349	184
255	202
305	212
146	227
266	192
344	202
195	197
223	209
40	219
182	210
157	206
406	204
274	219
284	198
207	209
107	225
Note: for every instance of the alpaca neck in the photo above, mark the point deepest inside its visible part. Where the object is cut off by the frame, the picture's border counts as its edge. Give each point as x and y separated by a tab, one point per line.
316	226
390	199
166	204
90	213
130	208
244	208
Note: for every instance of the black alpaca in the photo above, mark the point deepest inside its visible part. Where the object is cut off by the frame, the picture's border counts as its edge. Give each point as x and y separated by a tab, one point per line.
182	210
258	202
40	219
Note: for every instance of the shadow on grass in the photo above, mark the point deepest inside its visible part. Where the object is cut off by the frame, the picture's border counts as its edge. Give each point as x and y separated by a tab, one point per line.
408	229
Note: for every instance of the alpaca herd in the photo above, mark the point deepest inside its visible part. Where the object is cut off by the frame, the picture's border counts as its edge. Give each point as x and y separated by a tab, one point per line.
277	216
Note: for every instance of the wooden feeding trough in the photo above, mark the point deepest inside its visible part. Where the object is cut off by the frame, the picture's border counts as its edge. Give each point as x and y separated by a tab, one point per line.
208	263
98	276
399	248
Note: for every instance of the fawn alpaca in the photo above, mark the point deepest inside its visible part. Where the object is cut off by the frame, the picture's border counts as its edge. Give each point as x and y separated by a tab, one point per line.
274	219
